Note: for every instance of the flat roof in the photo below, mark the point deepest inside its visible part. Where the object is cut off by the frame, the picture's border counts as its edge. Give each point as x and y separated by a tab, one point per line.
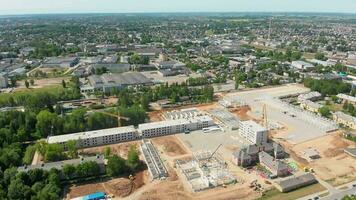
254	126
59	165
166	123
90	134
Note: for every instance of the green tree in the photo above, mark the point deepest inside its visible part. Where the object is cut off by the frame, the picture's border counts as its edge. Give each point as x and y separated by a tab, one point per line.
69	171
29	153
49	192
324	111
133	160
48	124
107	152
72	149
115	166
18	190
27	84
64	84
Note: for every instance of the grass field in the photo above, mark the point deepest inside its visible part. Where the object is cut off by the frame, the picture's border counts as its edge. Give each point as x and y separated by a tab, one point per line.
274	194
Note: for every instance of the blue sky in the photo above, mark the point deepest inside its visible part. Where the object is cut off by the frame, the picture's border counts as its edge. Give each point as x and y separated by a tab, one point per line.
123	6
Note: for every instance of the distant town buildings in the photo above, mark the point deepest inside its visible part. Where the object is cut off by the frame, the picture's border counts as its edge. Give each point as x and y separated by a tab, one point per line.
302	65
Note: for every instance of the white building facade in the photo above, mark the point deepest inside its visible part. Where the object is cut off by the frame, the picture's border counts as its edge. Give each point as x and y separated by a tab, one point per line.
253	132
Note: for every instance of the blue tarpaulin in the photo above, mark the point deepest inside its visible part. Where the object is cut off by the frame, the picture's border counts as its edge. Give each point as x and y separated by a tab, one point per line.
95	196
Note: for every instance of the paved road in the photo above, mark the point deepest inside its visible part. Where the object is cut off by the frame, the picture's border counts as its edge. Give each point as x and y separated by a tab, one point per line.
334	193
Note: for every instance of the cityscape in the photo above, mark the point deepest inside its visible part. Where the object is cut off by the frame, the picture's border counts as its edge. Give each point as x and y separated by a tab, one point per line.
177	105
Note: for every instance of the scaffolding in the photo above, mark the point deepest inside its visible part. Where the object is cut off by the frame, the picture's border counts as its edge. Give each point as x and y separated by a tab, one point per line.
206	170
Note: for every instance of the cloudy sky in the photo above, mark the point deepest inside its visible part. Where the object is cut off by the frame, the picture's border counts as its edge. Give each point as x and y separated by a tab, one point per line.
122	6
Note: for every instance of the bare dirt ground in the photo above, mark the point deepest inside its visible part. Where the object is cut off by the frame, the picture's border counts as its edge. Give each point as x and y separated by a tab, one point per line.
241	112
40	83
120	149
334	164
170	145
156	116
119	187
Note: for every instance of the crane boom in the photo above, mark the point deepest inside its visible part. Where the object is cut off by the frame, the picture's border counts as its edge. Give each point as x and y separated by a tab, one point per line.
215	151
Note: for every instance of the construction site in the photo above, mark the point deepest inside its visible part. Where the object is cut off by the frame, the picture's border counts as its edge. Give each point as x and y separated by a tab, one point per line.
206	162
206	170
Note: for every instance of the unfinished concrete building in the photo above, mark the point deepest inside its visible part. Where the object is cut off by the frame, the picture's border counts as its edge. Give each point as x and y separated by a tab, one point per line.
249	155
154	163
276	167
205	171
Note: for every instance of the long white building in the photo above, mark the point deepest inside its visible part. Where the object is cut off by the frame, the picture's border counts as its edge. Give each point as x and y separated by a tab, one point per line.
253	132
128	133
97	138
168	127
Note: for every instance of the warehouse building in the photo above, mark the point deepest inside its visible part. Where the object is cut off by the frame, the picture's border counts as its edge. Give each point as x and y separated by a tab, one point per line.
168	127
99	159
347	98
253	132
188	113
294	182
311	106
345	119
108	82
97	138
60	62
276	167
301	65
311	96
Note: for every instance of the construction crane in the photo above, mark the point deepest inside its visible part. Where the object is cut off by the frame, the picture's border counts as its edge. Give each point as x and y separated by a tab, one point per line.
215	152
264	116
118	116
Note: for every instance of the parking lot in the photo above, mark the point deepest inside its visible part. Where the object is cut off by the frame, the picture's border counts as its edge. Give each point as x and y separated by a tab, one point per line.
300	126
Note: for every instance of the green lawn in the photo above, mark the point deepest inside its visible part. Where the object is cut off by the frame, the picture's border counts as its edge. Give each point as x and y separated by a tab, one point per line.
274	194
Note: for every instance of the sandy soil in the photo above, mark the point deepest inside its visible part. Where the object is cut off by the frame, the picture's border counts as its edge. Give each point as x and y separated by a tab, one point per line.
170	145
155	116
120	149
241	112
119	187
334	163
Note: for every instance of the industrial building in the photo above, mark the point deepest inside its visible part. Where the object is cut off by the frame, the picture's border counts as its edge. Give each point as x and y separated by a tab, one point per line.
188	113
311	96
248	156
168	127
99	159
231	121
294	182
253	132
302	65
97	138
276	167
65	62
107	82
154	163
347	98
310	106
345	119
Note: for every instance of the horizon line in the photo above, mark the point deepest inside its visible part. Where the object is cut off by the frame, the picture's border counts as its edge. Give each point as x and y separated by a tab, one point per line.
182	12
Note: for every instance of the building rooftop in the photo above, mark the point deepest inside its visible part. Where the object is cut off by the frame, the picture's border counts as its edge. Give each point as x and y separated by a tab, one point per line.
345	117
271	162
347	97
166	123
253	125
90	134
296	181
59	165
351	151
